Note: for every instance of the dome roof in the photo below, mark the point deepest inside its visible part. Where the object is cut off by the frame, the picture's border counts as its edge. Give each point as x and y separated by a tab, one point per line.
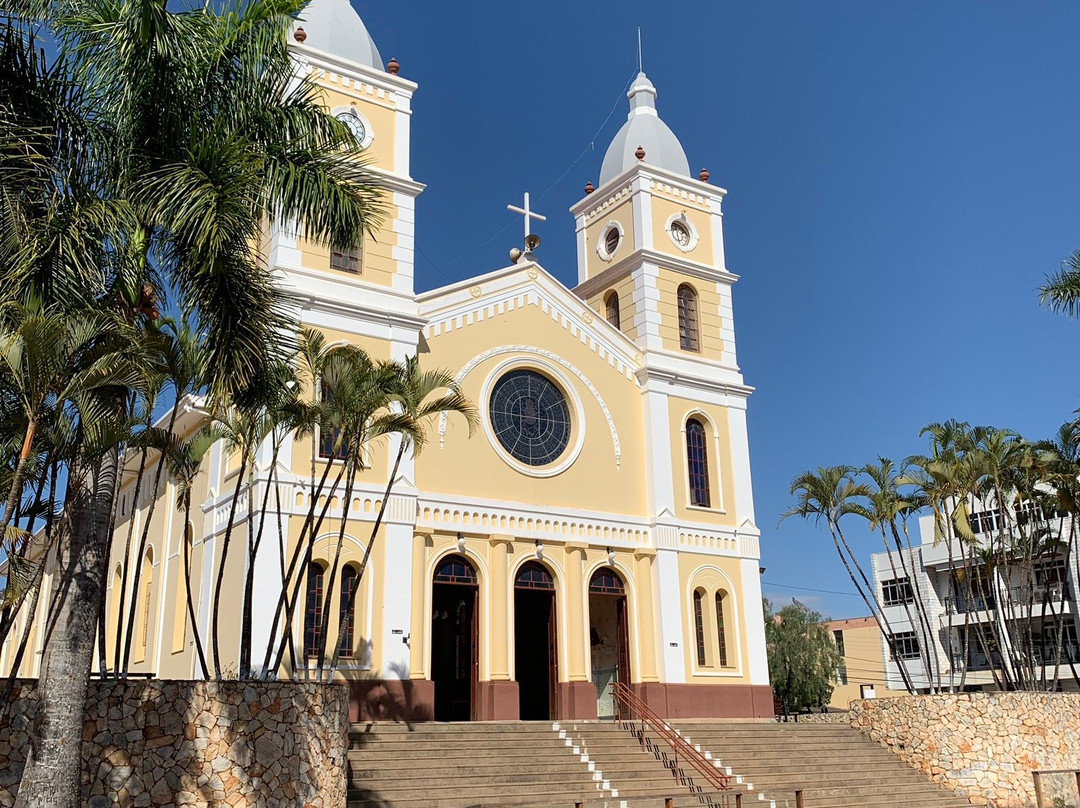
335	27
643	128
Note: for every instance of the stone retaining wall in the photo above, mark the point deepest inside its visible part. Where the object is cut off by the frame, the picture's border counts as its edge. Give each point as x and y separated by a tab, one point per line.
178	743
982	745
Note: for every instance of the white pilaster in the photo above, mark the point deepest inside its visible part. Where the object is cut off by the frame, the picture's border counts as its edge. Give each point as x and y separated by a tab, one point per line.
669	600
757	661
740	462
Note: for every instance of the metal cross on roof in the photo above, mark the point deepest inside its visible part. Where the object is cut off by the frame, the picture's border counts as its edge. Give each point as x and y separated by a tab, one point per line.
526	213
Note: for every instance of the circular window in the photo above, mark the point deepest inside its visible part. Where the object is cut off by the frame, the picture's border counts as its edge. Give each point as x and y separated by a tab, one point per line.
680	234
530	417
611	240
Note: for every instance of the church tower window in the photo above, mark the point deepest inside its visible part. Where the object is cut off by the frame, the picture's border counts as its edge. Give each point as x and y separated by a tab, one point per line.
699	627
611	240
313	627
611	306
721	642
697	463
350	577
346	260
688	318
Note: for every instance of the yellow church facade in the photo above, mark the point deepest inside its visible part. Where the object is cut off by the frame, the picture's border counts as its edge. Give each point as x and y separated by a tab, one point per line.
598	526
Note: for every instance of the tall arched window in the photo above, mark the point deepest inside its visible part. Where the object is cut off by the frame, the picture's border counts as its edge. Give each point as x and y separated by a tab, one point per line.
688	318
147	585
721	643
350	577
313	608
699	626
611	308
697	463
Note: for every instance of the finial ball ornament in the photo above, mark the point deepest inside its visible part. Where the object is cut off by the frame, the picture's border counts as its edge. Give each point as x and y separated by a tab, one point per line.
300	35
640	153
392	66
589	188
703	175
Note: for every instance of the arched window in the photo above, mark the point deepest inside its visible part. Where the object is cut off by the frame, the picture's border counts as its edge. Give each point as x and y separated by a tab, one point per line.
699	627
533	576
147	585
611	308
720	641
313	608
697	463
688	318
455	570
606	581
350	578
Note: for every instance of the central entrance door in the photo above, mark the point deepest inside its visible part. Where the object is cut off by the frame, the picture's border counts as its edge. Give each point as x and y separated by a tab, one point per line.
455	658
609	639
535	643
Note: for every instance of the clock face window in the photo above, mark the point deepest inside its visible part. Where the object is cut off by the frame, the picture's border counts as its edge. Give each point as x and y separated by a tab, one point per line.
680	234
356	126
530	417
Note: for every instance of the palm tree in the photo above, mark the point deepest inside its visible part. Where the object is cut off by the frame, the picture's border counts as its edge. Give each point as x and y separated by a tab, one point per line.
1061	292
420	397
184	459
210	134
829	494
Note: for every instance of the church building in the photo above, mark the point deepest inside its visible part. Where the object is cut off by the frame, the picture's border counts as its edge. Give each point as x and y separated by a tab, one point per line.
598	526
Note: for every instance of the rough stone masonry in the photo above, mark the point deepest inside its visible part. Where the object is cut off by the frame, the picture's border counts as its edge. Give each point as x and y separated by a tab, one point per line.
160	744
984	746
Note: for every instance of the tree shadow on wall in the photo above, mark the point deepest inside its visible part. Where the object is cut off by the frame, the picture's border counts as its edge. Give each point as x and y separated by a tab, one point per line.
399	699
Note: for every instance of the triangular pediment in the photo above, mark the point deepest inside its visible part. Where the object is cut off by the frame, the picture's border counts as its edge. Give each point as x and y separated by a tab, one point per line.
463	304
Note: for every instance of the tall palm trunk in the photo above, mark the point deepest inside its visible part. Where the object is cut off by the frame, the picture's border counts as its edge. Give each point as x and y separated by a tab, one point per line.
348	606
51	778
253	553
125	630
19	476
186	545
144	538
225	542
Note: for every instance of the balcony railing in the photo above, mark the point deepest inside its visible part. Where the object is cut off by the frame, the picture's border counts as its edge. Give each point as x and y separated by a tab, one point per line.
961	604
1042	593
1043	655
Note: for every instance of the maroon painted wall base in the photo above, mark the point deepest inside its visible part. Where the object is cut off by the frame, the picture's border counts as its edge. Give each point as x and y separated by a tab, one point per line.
577	700
497	701
708	701
391	700
414	700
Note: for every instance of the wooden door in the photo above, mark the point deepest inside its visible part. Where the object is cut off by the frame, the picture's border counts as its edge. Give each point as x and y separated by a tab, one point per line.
623	627
553	661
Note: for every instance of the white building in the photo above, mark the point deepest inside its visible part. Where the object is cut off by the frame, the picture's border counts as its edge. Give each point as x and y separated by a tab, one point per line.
983	624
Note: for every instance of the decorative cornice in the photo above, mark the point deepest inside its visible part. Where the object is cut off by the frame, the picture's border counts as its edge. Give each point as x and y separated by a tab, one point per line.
524	285
337	64
694	269
646	172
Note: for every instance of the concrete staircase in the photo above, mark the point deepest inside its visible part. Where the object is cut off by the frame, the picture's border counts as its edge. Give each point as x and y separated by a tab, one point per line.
601	765
834	765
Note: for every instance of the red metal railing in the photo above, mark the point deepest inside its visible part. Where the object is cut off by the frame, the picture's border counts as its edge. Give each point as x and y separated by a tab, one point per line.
633	708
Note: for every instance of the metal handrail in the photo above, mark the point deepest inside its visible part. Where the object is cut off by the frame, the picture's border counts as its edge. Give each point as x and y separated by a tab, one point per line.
627	699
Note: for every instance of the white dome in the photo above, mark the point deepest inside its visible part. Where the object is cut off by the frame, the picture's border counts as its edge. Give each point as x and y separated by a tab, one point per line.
643	128
335	27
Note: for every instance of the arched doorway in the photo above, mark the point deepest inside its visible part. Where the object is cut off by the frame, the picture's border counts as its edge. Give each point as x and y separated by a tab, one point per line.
455	657
609	637
535	643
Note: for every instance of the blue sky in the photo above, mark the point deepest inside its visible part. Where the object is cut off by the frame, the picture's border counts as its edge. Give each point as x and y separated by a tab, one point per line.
901	176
